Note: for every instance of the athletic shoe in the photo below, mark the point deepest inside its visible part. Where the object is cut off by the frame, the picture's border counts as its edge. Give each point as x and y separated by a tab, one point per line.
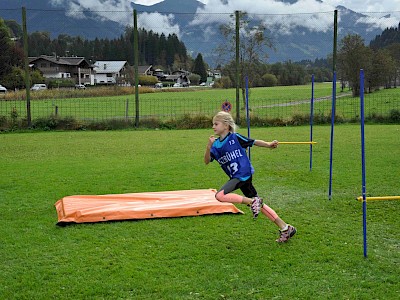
287	234
256	206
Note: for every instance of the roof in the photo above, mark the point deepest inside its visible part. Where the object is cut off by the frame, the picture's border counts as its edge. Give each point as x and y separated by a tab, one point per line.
144	69
109	66
60	60
148	205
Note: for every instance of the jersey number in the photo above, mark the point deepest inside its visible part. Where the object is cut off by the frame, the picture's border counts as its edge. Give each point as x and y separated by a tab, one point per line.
233	168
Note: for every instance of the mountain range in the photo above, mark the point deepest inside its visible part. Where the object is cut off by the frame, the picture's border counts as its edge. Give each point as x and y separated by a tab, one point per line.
199	32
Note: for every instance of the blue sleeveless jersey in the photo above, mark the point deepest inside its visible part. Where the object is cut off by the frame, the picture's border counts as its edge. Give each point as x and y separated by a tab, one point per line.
232	157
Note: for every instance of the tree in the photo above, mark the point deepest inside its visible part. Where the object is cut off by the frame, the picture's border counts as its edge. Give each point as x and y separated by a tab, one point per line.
199	67
382	71
39	43
253	43
15	28
194	79
289	73
10	54
394	50
269	80
352	56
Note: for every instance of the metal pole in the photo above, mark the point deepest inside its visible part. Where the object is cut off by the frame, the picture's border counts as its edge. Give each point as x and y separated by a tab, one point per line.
363	161
26	65
333	113
335	30
297	143
136	62
311	119
379	198
237	16
247	112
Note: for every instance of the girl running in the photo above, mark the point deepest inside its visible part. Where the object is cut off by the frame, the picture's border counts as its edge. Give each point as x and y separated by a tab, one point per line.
229	149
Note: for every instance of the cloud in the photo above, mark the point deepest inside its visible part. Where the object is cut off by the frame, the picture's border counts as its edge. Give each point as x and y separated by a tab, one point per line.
158	23
282	17
312	14
365	6
119	11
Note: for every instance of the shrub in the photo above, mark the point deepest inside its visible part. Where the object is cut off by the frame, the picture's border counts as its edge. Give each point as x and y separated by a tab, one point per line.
269	80
150	123
56	123
193	121
394	116
298	119
194	79
60	83
112	124
223	82
147	80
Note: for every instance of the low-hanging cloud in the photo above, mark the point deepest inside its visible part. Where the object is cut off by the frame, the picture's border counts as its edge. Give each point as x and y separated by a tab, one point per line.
313	15
119	11
158	23
306	13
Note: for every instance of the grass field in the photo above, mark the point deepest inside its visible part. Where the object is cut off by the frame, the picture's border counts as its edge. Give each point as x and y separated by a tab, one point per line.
271	102
208	257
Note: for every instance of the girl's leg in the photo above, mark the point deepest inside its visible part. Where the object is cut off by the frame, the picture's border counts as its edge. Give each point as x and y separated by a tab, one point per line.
225	193
287	231
273	216
249	190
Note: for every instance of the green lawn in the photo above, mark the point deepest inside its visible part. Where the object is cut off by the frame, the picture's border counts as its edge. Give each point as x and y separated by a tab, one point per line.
208	257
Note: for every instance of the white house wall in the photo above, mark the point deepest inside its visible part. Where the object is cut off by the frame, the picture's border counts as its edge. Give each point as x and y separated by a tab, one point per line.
103	79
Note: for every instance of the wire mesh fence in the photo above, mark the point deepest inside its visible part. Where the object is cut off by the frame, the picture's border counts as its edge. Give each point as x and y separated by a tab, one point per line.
289	48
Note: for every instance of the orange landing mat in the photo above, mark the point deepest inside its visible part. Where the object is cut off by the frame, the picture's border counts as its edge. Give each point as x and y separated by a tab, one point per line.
100	208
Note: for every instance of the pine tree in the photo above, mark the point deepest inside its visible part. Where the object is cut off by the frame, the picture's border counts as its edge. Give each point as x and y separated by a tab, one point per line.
199	68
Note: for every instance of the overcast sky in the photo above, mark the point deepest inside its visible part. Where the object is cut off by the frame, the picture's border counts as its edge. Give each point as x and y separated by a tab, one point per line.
208	16
356	5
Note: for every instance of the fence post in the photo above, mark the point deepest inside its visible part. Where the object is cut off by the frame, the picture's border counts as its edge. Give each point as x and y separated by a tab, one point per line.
26	65
136	62
333	113
335	36
127	110
237	16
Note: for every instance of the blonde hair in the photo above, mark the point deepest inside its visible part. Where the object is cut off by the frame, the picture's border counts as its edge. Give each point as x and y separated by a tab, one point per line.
227	119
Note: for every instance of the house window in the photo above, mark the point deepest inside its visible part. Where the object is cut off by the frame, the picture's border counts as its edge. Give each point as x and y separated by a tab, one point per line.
43	65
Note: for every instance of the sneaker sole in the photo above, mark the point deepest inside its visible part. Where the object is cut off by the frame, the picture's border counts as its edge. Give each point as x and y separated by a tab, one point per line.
293	232
290	235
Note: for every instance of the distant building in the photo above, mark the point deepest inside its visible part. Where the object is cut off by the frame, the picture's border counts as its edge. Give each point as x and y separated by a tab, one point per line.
180	76
110	71
75	68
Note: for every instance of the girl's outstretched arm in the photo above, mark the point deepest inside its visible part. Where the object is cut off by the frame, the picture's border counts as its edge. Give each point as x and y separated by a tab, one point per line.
261	143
